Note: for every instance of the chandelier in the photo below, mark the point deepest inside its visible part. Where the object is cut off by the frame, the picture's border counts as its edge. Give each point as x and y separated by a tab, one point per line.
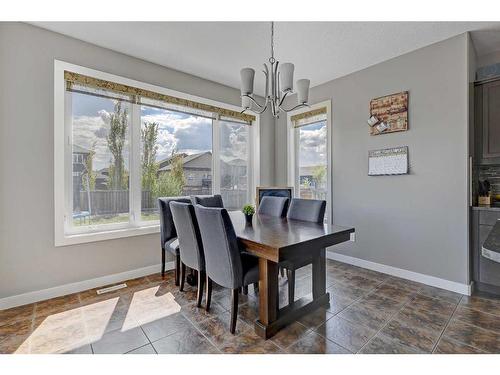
279	84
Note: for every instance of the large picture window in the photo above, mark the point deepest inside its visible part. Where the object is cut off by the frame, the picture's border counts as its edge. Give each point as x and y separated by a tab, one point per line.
124	145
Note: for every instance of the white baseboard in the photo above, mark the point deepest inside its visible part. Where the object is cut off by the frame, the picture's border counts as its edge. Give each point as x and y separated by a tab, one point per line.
62	290
405	274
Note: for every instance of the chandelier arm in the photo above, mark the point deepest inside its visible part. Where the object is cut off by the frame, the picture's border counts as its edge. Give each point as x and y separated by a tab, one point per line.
283	98
266	73
256	112
294	108
255	101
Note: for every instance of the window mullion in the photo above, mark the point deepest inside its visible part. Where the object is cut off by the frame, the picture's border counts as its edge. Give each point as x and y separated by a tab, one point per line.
135	190
216	156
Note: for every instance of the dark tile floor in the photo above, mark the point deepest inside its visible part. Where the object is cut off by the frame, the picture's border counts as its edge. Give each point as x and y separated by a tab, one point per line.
369	313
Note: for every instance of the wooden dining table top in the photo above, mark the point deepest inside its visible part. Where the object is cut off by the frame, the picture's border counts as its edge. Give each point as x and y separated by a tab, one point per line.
274	238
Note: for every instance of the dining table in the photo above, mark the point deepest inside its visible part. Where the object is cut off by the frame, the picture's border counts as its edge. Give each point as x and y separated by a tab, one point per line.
274	240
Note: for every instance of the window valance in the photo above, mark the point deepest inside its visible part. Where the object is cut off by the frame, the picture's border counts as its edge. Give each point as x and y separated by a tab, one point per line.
80	82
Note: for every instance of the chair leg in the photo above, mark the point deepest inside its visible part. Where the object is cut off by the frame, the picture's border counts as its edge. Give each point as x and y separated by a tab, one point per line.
177	269
162	262
209	293
183	277
245	290
201	282
290	274
234	310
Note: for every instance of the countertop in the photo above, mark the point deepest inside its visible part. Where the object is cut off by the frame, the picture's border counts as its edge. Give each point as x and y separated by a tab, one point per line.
486	208
491	247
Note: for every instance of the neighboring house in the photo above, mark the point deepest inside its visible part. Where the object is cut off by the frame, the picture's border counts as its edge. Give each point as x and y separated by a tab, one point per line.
197	169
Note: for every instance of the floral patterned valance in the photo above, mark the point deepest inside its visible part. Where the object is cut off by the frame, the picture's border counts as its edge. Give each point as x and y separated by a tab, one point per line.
135	92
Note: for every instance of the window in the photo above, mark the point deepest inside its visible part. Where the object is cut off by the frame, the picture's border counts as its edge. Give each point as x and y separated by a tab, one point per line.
121	144
312	160
176	154
100	131
308	164
234	164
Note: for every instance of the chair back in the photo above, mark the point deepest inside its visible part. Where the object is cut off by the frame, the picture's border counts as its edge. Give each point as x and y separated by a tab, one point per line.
312	210
222	253
167	227
208	200
273	206
188	234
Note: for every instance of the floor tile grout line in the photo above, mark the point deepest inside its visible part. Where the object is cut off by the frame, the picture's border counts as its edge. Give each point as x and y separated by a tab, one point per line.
446	326
388	321
205	336
149	340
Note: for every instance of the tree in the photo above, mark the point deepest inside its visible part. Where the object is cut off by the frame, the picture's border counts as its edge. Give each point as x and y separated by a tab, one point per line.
171	184
116	143
319	174
89	175
149	136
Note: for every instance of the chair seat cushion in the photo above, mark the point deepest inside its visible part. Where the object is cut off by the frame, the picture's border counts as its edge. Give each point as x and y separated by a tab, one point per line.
172	246
250	268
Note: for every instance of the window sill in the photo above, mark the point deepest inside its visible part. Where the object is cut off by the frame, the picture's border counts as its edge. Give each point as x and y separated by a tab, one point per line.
74	239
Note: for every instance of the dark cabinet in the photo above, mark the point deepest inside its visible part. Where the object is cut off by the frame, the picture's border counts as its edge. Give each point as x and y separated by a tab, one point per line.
487	119
485	272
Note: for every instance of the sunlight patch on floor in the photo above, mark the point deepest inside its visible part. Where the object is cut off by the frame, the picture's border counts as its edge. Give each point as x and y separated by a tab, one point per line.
68	330
147	306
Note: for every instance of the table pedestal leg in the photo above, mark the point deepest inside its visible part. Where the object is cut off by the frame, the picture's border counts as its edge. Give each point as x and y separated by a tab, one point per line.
319	274
268	291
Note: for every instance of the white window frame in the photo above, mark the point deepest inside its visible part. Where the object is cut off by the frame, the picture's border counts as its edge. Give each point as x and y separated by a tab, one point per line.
63	160
293	147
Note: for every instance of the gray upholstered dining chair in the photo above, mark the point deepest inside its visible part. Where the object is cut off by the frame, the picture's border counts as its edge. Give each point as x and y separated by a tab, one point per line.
311	210
208	200
188	234
273	206
168	234
226	264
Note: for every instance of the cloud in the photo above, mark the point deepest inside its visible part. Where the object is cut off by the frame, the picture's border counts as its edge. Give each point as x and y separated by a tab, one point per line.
312	146
177	131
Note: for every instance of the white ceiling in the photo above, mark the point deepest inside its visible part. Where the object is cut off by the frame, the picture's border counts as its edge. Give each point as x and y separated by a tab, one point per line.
321	51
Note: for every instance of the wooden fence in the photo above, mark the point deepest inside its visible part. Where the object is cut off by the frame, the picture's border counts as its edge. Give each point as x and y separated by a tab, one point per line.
113	202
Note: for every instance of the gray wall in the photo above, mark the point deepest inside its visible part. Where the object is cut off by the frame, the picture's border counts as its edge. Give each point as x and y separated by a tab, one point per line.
416	222
28	259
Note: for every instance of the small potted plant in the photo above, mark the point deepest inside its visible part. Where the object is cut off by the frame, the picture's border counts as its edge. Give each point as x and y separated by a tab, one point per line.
248	210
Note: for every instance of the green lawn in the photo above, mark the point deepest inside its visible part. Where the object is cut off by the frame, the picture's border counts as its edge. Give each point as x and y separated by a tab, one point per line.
113	219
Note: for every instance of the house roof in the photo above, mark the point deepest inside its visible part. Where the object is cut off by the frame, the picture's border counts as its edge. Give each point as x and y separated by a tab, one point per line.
186	159
80	150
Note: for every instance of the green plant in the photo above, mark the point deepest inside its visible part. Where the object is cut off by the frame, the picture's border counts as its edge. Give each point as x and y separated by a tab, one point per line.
171	183
248	209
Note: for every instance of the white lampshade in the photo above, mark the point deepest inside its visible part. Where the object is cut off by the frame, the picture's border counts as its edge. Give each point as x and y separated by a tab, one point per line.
303	90
246	102
247	75
286	76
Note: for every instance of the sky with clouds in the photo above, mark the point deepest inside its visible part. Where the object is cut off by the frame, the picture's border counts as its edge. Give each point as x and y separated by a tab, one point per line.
179	131
312	143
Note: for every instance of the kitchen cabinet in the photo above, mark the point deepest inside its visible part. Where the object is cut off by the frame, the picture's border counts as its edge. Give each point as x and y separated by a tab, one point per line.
485	272
487	123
